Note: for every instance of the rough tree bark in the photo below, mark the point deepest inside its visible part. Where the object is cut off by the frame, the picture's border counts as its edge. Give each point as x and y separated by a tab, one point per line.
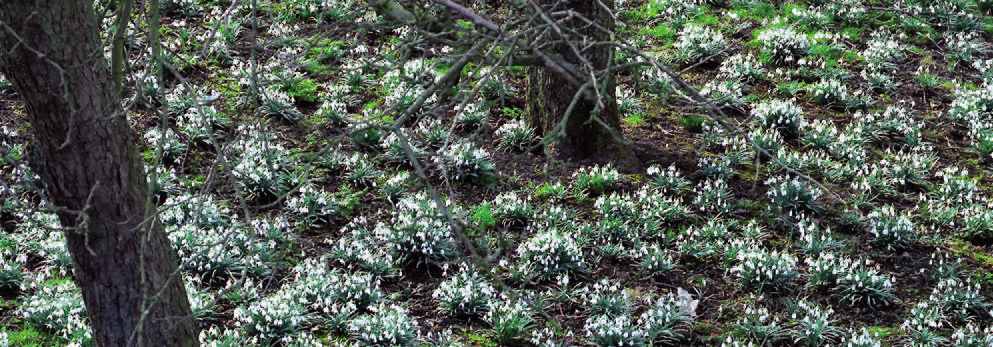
549	93
94	174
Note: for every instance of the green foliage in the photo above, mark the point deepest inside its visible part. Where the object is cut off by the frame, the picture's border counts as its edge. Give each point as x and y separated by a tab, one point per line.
691	122
324	52
635	120
301	90
513	113
483	216
555	191
31	335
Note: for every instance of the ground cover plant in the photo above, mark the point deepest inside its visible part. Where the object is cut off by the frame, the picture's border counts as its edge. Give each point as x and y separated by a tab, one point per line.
835	191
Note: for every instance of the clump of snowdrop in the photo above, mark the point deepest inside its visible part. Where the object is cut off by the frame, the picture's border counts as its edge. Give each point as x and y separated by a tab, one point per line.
367	135
850	11
595	180
417	232
214	337
806	162
198	210
667	320
494	85
826	269
627	103
909	168
516	135
815	240
431	133
819	134
313	204
510	319
606	298
201	300
849	146
813	16
334	108
276	102
708	240
464	293
463	161
861	338
654	260
396	186
770	140
655	209
890	230
744	68
894	121
328	293
765	270
667	181
830	92
720	167
42	234
972	108
617	206
784	116
11	269
614	331
387	325
724	93
59	307
173	149
963	46
863	284
361	171
198	123
731	341
791	194
981	135
512	209
673	12
961	300
870	181
393	149
401	95
939	213
757	324
882	53
714	198
985	67
815	328
972	336
471	116
784	45
921	324
216	253
549	253
262	170
360	249
656	81
977	223
325	10
698	42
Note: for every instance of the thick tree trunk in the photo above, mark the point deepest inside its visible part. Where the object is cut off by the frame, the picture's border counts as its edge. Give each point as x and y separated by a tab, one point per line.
549	94
94	174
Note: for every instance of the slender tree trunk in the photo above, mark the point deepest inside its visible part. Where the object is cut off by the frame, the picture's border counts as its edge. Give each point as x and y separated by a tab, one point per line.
94	174
549	94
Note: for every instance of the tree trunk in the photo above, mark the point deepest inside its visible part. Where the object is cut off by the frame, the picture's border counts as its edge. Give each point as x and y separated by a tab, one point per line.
94	175
549	93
